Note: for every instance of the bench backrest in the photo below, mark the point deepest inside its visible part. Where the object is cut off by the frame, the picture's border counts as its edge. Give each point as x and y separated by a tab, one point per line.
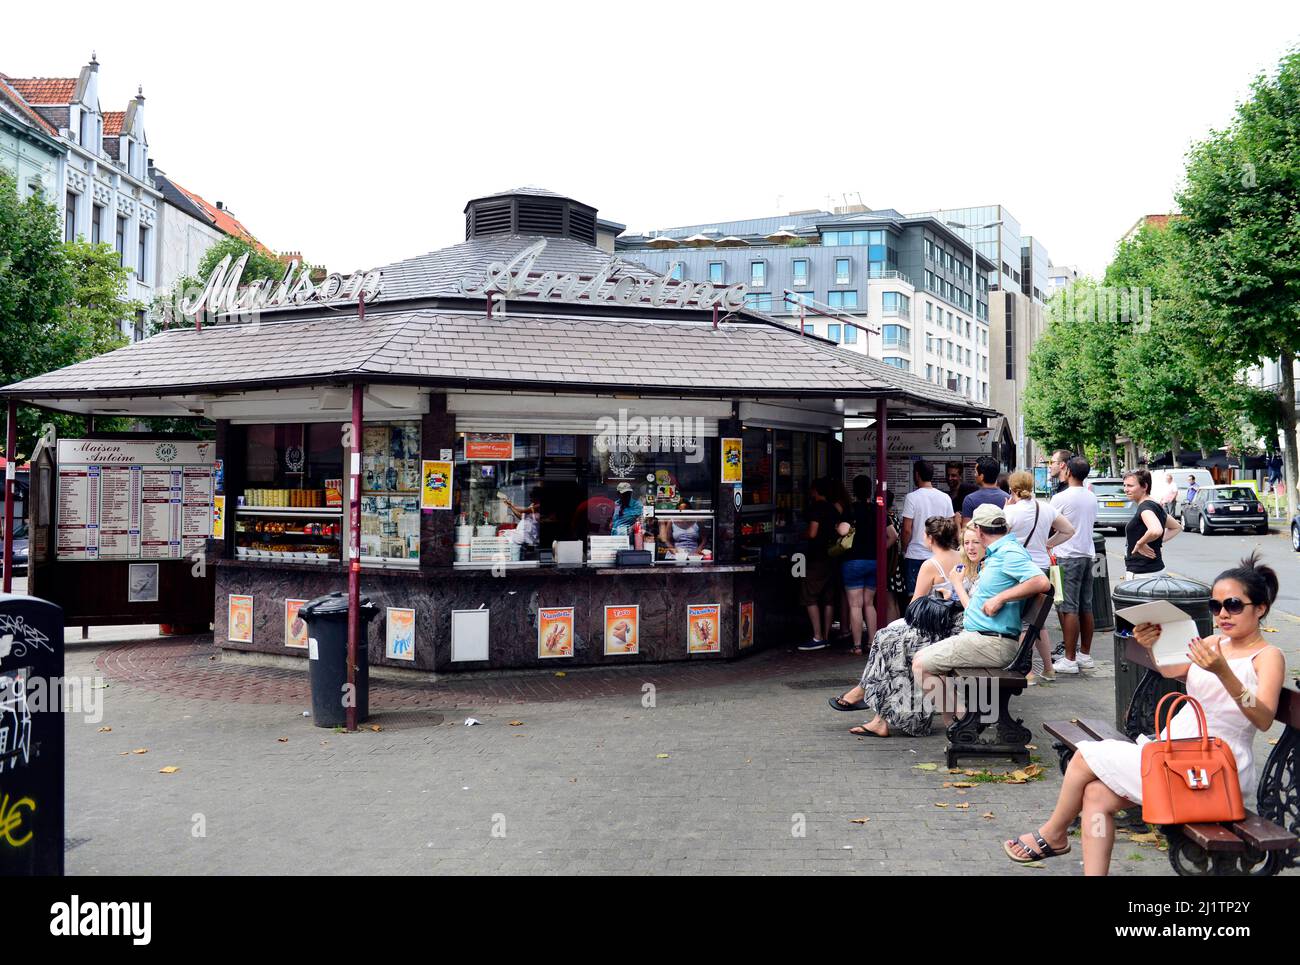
1023	660
1288	705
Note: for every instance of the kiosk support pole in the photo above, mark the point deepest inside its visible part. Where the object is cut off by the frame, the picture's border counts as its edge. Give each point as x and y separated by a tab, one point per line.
354	555
882	492
11	469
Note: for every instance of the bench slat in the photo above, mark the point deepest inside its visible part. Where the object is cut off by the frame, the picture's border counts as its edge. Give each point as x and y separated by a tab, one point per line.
995	673
1068	732
1262	834
1214	837
1102	731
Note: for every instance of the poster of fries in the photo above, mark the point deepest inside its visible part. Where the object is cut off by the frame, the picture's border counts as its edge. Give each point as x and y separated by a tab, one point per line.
745	625
704	628
555	631
622	629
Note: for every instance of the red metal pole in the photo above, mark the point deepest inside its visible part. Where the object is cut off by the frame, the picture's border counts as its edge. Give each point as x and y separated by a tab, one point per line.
882	518
11	469
354	555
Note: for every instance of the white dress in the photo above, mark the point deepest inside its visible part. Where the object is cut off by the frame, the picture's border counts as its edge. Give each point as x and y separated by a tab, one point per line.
1118	764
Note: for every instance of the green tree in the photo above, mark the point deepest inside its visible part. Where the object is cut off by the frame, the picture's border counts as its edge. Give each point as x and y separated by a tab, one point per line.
1242	228
165	312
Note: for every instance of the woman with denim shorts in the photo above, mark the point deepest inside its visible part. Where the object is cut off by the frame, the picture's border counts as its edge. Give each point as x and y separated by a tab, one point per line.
858	572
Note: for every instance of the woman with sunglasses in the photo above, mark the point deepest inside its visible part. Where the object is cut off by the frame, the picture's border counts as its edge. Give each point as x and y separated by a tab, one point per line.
1235	675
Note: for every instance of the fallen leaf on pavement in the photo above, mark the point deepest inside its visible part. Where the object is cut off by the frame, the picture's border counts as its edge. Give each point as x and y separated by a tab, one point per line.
941	804
926	767
141	750
1033	770
959	784
963	807
376	728
1032	864
859	820
1149	838
168	770
987	814
954	770
516	723
972	773
661	756
282	740
560	673
104	730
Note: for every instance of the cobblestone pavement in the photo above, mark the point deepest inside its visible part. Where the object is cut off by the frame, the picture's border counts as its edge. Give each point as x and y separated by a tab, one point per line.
736	767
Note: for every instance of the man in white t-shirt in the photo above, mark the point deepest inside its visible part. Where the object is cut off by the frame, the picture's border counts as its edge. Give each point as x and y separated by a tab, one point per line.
1074	555
921	503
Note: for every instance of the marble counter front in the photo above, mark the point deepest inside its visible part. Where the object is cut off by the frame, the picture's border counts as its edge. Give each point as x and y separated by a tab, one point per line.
663	593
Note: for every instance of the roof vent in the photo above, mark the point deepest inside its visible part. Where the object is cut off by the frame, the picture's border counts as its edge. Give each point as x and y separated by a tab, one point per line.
530	211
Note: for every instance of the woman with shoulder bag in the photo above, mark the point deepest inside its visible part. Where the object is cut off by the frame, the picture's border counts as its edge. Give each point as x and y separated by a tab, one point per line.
1237	679
858	560
1036	525
886	687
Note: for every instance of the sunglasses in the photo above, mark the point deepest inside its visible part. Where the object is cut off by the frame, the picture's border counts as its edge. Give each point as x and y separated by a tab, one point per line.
1233	605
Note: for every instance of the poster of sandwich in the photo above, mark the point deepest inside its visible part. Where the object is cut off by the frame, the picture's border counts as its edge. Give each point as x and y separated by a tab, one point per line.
555	631
622	629
704	628
295	627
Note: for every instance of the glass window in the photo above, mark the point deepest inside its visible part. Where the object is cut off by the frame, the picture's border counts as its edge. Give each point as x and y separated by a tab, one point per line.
677	271
809	328
757	472
898	363
842	299
758	274
842	271
96	223
877	238
70	217
121	240
850	335
833	332
715	272
799	271
929	311
390	490
142	264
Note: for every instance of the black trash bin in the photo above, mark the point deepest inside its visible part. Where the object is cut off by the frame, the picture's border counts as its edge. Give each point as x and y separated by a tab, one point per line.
1103	614
327	632
1189	596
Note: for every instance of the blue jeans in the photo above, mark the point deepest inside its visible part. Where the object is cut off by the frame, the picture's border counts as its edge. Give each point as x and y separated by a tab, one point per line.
911	570
858	574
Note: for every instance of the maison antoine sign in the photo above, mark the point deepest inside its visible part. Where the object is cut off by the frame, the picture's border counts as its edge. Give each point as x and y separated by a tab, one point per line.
517	278
223	292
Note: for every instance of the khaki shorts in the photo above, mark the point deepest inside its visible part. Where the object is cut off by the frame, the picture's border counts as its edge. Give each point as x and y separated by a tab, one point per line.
968	649
817	588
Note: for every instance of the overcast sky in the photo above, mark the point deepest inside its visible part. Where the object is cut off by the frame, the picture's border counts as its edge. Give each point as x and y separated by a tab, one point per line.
357	132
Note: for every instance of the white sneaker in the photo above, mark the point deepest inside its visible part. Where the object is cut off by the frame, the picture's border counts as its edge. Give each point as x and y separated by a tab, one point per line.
1062	665
1085	662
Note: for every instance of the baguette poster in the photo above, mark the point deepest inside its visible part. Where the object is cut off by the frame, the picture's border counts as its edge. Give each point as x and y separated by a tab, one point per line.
295	627
622	629
239	618
555	631
704	628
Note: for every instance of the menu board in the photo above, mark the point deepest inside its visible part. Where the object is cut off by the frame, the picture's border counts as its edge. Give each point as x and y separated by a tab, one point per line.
133	499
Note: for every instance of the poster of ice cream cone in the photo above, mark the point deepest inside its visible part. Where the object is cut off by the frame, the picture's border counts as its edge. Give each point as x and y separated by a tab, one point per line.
732	462
239	618
622	629
435	491
555	631
400	634
295	627
704	628
745	625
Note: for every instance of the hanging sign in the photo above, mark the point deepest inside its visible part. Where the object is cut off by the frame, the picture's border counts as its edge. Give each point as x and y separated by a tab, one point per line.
517	278
489	446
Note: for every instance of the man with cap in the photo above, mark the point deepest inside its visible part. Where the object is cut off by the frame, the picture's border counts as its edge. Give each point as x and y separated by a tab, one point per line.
1008	579
627	511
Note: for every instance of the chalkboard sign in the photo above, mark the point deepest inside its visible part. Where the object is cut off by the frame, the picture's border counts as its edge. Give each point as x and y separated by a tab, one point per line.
31	736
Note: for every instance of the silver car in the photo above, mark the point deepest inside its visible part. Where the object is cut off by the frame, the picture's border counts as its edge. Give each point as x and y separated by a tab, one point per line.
1114	509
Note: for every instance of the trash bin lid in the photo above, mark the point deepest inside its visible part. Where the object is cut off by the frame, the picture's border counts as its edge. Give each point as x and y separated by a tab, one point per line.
1172	588
332	604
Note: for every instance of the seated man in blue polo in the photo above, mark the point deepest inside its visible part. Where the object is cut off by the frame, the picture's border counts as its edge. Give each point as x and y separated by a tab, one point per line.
1008	580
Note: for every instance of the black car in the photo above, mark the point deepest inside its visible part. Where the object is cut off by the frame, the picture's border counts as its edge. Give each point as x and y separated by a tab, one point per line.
1295	534
1218	508
20	547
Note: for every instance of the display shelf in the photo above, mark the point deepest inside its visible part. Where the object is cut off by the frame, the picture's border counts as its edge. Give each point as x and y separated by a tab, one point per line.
321	511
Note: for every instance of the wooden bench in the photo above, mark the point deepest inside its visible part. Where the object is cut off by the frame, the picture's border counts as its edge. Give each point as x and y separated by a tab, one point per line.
1010	734
1262	844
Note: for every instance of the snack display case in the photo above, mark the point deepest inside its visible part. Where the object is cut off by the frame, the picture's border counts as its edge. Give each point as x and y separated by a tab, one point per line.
302	535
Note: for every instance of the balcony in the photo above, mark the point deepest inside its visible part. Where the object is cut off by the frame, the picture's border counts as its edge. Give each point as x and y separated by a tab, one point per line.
890	274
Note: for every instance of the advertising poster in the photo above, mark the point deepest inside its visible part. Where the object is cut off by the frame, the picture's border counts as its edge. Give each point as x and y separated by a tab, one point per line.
435	492
745	625
489	446
239	618
218	517
400	634
622	629
142	582
732	460
555	631
295	627
704	628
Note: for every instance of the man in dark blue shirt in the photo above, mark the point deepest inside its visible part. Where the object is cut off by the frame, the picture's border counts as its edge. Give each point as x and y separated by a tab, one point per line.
986	471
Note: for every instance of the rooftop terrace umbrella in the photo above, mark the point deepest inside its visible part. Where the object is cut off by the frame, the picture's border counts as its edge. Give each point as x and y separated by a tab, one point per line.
782	237
663	241
731	241
698	241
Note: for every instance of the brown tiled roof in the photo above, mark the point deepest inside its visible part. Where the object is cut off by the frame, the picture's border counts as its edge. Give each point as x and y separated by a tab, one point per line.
41	91
470	350
221	219
11	96
113	123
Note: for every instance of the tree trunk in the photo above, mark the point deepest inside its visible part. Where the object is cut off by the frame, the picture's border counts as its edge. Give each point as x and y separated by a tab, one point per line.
1114	458
1285	363
1175	450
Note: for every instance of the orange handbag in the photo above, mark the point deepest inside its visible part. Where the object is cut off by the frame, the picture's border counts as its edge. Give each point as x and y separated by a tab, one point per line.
1190	780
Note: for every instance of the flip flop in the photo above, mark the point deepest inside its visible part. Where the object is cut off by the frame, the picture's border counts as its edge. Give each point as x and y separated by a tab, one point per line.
1047	850
861	731
837	703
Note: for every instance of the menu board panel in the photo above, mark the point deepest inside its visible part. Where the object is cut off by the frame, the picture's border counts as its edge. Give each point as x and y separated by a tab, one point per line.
133	499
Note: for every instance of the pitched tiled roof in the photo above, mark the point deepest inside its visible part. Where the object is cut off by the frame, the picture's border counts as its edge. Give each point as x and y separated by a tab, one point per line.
42	91
113	123
220	218
465	350
11	96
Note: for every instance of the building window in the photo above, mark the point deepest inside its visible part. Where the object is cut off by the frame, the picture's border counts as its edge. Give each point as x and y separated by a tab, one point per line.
70	217
121	240
808	328
1009	319
848	299
715	272
897	337
842	276
676	273
850	335
929	311
929	373
898	363
833	332
141	266
896	303
799	271
96	223
759	301
138	334
758	274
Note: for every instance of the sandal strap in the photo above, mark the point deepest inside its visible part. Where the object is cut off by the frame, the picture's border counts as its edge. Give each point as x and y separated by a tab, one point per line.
1047	849
1027	849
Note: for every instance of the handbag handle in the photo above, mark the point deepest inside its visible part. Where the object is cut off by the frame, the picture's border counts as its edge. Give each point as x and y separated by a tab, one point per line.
1175	700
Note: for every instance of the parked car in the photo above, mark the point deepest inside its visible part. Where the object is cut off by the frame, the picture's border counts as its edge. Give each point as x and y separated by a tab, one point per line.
1226	507
1114	509
1203	481
1295	534
20	548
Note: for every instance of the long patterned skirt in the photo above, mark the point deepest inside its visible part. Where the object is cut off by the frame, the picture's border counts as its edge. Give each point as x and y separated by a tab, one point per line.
887	681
